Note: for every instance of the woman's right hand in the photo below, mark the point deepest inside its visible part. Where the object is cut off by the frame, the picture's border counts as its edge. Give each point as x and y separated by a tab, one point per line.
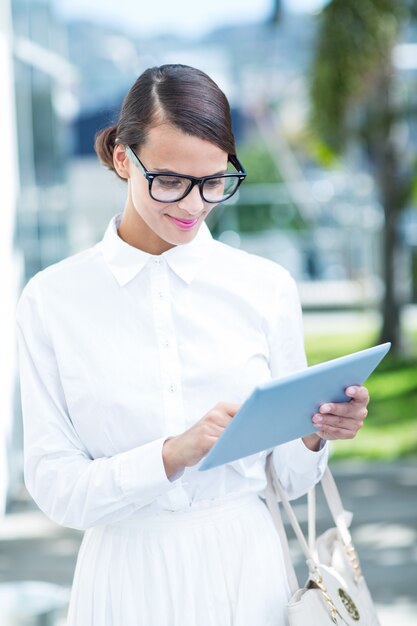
189	448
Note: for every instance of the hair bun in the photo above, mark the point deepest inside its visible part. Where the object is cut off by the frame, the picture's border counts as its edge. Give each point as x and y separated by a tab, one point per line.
104	143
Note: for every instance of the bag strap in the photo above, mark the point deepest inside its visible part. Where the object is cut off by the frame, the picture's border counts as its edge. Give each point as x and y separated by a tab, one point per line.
272	504
276	486
335	505
336	508
290	514
341	517
311	511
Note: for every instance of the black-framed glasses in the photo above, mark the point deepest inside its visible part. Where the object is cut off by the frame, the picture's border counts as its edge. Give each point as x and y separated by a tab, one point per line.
170	187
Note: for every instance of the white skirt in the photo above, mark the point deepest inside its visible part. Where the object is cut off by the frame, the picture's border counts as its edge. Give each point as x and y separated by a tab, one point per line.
217	564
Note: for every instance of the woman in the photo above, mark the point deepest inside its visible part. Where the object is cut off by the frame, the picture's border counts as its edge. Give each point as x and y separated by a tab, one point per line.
136	354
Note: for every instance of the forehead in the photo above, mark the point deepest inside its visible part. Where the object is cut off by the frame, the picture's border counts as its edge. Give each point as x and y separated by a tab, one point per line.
168	148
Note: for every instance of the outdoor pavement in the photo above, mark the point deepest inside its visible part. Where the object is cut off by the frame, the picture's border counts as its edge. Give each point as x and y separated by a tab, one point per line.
382	496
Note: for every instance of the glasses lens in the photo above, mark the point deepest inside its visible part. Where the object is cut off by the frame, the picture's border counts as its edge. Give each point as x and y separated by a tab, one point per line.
169	188
219	189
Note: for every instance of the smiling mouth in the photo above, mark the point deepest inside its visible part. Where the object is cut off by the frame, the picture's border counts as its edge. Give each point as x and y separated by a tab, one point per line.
184	224
178	219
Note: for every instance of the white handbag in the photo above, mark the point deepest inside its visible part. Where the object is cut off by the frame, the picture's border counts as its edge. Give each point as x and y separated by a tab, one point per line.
336	591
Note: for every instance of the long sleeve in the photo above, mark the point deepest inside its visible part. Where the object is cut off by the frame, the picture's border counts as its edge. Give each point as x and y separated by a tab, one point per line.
297	467
71	487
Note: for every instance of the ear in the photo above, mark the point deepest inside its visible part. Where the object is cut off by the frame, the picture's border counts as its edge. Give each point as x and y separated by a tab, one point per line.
121	161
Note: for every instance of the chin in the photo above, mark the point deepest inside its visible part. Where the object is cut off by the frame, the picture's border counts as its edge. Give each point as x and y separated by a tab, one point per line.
183	237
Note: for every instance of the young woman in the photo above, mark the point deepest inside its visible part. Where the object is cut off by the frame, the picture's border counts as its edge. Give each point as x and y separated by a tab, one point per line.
136	354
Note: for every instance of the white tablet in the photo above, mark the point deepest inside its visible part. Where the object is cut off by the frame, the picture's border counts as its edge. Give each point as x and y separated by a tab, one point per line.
281	410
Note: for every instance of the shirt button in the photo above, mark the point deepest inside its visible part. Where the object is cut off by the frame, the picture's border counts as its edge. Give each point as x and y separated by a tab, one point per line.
171	388
157	261
161	294
166	344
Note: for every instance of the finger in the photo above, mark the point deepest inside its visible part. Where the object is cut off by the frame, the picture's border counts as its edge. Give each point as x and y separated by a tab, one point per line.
220	420
219	414
216	431
335	421
360	398
358	393
232	412
213	430
231	408
334	432
352	410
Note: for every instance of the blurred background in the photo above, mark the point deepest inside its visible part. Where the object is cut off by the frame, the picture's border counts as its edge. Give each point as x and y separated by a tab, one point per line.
324	104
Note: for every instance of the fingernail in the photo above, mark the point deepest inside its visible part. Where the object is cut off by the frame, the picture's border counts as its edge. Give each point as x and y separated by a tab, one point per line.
351	391
317	418
325	408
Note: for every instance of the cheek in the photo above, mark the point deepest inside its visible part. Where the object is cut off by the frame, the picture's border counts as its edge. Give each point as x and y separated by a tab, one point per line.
143	203
138	192
209	208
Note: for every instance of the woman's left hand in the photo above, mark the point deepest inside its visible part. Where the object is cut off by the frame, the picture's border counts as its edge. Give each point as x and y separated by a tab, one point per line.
342	420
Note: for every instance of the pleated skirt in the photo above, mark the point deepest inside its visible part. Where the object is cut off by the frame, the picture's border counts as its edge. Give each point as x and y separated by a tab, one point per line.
218	563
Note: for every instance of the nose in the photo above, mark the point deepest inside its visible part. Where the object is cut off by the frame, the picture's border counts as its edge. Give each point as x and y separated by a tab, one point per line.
193	203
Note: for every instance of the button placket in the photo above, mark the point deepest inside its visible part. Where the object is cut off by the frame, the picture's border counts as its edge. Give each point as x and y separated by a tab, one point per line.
167	347
169	367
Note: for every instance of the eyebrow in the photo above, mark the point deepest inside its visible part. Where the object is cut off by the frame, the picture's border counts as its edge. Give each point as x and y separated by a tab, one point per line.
167	171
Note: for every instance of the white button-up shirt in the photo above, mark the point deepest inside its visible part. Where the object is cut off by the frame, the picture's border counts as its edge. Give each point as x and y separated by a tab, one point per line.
120	349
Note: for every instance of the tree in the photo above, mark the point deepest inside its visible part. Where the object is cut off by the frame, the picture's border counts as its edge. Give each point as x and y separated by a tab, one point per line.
354	97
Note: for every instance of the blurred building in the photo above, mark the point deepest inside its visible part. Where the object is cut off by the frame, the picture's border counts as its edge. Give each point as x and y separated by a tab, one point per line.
9	258
42	86
45	103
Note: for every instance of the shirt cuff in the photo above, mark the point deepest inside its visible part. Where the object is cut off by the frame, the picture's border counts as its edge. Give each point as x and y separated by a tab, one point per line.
307	460
142	472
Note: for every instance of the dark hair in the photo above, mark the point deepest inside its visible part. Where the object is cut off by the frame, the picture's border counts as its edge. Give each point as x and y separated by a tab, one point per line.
176	94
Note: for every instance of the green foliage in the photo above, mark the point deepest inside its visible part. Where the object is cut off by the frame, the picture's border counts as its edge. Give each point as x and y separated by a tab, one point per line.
261	168
390	430
355	40
354	94
254	217
321	152
258	163
413	191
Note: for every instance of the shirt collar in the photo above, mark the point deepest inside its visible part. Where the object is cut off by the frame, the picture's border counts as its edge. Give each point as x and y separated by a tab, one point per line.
126	261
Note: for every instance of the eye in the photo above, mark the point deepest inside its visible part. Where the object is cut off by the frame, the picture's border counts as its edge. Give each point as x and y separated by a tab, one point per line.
169	182
214	182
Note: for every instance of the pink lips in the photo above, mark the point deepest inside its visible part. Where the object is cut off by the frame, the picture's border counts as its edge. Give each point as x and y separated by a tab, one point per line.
183	224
